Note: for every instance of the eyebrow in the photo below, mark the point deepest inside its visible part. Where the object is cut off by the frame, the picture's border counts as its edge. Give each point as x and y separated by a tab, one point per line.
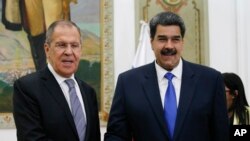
63	42
171	37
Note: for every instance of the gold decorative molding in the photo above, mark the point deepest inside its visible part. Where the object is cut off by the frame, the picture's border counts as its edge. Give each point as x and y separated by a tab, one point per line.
107	65
172	5
145	11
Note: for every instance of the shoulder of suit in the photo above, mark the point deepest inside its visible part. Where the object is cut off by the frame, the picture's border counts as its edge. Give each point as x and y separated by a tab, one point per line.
139	70
30	76
200	67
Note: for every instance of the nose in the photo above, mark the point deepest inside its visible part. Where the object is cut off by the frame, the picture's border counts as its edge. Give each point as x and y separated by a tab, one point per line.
169	44
68	49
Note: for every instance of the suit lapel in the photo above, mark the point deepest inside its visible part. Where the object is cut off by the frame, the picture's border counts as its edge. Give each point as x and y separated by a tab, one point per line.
54	89
151	90
189	80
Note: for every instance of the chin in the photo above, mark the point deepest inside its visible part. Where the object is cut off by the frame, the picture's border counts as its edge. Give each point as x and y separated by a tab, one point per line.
169	65
67	73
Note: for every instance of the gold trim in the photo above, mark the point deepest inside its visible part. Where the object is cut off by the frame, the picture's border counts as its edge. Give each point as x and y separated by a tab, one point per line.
198	32
107	67
145	11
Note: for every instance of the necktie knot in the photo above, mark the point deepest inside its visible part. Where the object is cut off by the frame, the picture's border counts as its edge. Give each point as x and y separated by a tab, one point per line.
169	76
70	83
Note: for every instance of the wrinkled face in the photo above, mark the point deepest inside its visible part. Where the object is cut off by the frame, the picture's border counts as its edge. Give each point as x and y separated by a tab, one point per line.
64	50
167	46
229	97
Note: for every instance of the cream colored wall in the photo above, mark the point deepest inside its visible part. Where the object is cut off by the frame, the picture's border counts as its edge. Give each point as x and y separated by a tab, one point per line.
228	49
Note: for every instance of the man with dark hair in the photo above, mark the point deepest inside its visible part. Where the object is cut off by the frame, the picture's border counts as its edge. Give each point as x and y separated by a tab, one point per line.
170	99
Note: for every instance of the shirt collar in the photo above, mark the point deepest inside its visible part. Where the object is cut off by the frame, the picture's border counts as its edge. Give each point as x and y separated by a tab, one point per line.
177	71
58	77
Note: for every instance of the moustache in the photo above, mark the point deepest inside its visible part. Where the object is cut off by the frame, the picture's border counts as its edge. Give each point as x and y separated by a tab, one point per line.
168	51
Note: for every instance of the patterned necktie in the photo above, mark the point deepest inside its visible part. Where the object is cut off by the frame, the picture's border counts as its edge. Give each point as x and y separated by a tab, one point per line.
170	106
76	110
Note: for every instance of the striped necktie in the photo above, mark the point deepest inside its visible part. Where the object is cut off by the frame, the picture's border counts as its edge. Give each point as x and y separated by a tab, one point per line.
76	110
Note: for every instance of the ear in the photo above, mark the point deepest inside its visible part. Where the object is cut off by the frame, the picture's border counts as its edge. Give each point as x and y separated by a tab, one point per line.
46	49
151	43
183	40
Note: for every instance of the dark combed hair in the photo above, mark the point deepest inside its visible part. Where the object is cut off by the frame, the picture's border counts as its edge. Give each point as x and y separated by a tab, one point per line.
233	82
166	18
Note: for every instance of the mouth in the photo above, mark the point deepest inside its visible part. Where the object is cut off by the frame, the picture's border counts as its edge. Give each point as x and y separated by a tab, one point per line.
168	52
67	61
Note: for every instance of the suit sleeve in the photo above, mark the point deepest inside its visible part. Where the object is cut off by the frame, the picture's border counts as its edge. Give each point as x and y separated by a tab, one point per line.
220	128
118	127
26	115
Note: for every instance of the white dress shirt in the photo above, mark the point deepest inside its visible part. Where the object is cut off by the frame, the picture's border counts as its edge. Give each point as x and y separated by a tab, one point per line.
163	82
61	81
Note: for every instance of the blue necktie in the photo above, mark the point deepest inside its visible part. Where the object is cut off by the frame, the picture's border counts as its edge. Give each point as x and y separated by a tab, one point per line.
76	110
170	106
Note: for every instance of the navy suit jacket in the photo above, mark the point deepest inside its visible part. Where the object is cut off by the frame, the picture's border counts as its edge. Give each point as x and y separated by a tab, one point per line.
137	111
41	111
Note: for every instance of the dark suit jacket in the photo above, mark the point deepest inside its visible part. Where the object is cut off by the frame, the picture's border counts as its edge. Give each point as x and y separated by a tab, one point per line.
137	110
41	111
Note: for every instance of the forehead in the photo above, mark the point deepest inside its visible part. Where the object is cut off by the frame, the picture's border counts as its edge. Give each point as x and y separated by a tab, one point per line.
65	32
168	30
64	27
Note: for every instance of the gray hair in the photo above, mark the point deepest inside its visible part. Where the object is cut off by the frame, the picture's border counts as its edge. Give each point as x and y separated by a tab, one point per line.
52	27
